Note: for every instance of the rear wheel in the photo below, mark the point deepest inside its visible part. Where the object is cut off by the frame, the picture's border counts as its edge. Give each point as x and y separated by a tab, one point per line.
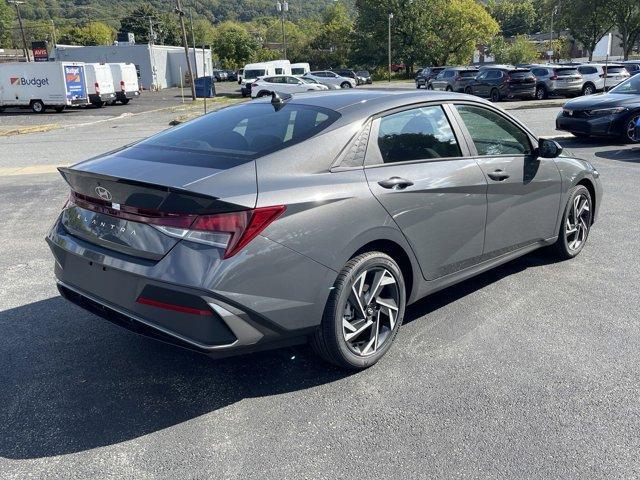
418	86
588	89
576	223
429	87
541	92
345	85
494	95
262	94
37	106
363	313
125	101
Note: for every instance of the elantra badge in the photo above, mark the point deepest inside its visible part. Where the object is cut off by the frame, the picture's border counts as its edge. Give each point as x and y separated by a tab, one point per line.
104	194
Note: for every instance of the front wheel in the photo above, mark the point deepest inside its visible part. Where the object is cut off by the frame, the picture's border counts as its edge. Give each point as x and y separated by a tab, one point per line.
576	223
37	106
630	129
363	313
494	95
541	93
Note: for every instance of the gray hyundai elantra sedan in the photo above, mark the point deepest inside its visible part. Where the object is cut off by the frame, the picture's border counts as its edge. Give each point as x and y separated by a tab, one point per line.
312	219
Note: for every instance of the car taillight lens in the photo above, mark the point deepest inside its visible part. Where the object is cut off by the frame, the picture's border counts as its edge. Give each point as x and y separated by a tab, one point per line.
122	85
230	231
97	87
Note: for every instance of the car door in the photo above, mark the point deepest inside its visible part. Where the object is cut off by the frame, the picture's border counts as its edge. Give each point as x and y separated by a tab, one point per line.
438	82
416	167
295	85
523	194
479	85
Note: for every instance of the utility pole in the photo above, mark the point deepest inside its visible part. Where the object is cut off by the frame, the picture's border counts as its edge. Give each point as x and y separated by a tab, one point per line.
551	49
16	3
283	8
389	44
53	33
180	13
193	42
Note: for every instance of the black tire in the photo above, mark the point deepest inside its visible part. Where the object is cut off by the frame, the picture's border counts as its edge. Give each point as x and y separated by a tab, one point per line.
60	109
541	92
468	91
418	86
588	89
98	104
495	95
345	85
37	106
263	94
125	101
628	134
449	89
562	249
1	109
329	340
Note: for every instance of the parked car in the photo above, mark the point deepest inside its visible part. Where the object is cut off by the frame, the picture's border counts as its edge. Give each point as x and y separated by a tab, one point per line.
348	73
557	80
503	82
220	75
315	82
425	74
592	78
365	77
253	71
632	66
232	76
283	84
234	240
612	114
331	79
453	79
42	85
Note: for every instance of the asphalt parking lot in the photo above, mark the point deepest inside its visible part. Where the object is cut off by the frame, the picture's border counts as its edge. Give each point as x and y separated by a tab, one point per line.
527	371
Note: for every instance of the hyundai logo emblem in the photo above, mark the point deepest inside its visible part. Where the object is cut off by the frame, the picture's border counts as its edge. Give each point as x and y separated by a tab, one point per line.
104	194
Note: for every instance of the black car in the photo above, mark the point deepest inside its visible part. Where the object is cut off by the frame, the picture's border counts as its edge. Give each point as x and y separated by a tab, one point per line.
498	83
426	74
348	73
232	76
454	79
365	77
612	114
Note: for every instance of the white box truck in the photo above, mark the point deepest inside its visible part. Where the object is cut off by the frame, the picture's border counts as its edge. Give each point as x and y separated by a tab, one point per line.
125	80
100	84
42	85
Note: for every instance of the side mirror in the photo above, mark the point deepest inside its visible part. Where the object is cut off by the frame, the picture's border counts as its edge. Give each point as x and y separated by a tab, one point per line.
549	148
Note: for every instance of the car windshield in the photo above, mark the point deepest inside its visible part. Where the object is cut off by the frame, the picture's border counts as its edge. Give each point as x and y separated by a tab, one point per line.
249	74
237	134
630	86
362	73
297	71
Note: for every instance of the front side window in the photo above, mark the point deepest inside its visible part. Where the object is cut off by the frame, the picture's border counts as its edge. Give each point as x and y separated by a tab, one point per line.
492	134
416	134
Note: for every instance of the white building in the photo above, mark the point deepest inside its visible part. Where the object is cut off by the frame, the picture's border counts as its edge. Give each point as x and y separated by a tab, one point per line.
159	66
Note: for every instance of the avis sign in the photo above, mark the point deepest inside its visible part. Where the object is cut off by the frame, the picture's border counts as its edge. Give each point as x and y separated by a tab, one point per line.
40	52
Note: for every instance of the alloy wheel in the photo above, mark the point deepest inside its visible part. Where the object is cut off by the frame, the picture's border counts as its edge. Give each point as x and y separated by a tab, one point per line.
577	223
631	129
371	312
588	90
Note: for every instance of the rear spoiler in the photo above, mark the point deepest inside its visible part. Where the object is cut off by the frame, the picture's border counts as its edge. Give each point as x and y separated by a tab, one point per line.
143	195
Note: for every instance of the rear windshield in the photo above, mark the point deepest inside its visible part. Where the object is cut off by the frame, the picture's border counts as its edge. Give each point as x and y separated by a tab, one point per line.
363	73
566	71
520	73
253	73
242	133
468	73
616	70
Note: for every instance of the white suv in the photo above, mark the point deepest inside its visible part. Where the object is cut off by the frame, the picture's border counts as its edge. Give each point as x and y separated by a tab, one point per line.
330	79
263	86
596	79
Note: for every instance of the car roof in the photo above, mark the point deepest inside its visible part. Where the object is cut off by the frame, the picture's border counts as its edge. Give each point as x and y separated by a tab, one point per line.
354	104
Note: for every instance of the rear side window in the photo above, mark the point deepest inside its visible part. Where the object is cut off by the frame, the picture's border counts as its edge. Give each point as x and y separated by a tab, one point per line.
449	73
242	133
520	73
468	73
492	134
494	74
416	134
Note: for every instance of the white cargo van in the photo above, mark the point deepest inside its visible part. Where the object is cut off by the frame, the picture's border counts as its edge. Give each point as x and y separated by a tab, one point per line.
125	80
282	67
253	71
99	84
42	85
298	69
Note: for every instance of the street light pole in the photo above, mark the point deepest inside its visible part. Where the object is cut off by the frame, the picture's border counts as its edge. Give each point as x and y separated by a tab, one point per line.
16	3
193	41
389	44
180	13
283	8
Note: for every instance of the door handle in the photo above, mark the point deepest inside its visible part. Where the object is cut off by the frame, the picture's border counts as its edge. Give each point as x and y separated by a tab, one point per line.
395	183
498	175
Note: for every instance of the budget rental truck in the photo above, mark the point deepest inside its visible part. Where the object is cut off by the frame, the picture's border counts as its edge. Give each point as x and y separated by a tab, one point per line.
42	85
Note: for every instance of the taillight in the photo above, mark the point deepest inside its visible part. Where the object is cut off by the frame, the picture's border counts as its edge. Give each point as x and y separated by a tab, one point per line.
97	87
230	231
122	85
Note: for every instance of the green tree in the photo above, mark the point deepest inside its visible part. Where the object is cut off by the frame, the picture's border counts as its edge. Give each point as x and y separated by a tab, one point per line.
520	50
6	21
233	44
137	22
515	17
332	43
204	32
96	33
588	21
627	17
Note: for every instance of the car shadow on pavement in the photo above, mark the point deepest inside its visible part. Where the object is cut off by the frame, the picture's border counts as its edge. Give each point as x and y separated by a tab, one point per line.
71	382
628	155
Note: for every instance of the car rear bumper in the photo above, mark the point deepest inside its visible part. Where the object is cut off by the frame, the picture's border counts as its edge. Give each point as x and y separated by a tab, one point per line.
520	91
194	299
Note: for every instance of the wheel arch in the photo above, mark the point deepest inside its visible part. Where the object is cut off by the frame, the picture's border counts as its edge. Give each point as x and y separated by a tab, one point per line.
588	184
